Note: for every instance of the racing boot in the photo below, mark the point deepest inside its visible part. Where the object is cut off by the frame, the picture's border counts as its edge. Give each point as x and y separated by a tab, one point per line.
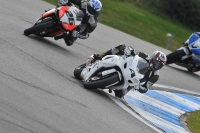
119	93
83	35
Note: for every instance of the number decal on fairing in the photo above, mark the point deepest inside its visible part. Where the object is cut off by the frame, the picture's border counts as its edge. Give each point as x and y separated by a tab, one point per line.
132	73
70	17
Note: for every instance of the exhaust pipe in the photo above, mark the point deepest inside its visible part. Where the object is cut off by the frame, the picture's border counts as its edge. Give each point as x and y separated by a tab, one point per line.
58	37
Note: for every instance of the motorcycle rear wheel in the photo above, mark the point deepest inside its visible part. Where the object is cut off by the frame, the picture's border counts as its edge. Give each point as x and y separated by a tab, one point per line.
192	70
174	56
101	81
39	27
78	70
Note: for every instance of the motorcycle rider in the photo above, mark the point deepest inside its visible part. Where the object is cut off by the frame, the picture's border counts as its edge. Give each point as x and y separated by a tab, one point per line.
156	61
91	11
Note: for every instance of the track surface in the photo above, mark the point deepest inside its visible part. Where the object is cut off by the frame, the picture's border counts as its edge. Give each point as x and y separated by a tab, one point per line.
38	90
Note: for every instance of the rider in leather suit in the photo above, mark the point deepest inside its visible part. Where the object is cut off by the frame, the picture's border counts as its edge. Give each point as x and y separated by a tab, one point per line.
156	61
91	10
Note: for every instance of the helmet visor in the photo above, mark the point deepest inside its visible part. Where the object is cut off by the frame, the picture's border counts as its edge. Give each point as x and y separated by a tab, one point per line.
157	64
90	10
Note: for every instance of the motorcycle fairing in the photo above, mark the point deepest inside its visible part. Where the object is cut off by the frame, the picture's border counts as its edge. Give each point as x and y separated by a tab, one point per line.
193	38
68	17
194	44
196	51
62	11
56	33
48	13
128	67
105	62
131	72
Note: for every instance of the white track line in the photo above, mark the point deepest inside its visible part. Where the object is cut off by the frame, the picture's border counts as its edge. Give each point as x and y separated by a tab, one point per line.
118	102
159	120
145	117
156	103
180	100
174	88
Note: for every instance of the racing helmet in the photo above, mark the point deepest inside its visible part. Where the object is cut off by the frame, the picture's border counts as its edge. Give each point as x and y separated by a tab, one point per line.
93	7
157	60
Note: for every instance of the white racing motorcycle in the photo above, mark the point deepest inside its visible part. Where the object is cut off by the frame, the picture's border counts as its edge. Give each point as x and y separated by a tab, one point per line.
113	72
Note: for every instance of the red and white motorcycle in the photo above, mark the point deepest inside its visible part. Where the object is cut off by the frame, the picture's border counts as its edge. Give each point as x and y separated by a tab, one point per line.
57	22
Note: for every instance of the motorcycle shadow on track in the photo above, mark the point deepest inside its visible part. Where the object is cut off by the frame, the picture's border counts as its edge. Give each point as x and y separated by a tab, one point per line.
98	92
46	42
193	74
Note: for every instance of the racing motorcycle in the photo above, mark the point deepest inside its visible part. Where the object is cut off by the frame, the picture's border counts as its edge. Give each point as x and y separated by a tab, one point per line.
57	22
188	55
113	72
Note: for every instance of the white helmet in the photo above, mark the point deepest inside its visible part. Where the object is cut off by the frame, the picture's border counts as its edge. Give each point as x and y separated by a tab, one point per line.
157	60
93	7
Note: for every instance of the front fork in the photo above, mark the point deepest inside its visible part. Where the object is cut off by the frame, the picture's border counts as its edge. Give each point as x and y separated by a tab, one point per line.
187	52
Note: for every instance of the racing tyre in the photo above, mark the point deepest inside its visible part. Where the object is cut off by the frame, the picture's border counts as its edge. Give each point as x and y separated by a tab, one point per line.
174	56
190	69
39	27
78	70
98	81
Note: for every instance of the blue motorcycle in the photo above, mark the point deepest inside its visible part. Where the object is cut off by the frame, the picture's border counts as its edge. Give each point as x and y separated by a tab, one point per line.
188	55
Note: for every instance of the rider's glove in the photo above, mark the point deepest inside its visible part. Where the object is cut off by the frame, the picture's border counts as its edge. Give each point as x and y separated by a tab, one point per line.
93	58
185	44
97	56
134	52
62	2
127	51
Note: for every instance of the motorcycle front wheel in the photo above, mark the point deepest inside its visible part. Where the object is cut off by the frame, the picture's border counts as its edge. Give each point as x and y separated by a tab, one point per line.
39	27
175	56
78	70
99	81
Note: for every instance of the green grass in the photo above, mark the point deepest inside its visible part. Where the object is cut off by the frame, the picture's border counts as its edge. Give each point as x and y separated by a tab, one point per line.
140	23
193	122
126	17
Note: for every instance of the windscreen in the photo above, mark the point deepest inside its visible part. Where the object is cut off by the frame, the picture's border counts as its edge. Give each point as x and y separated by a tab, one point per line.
193	38
79	15
142	66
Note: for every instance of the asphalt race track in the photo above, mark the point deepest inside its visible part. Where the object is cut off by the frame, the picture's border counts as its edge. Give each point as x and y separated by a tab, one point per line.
39	93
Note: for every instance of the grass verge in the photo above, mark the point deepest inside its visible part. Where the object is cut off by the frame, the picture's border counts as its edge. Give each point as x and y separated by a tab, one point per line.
193	122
